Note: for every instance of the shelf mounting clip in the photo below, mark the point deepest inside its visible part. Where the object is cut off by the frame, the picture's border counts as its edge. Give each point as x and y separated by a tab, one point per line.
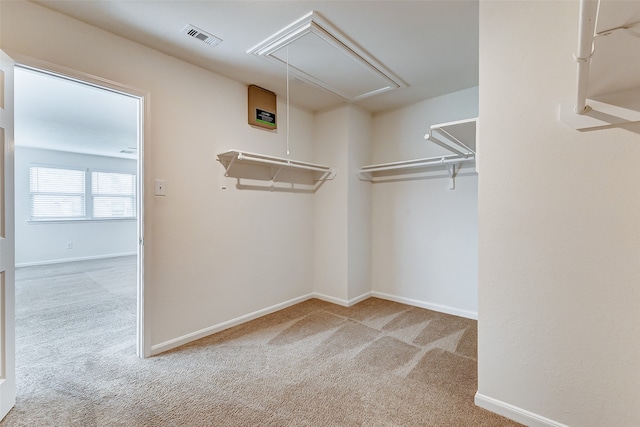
228	168
452	176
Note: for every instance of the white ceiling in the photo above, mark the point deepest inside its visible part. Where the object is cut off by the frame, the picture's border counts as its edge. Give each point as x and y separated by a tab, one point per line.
431	45
59	114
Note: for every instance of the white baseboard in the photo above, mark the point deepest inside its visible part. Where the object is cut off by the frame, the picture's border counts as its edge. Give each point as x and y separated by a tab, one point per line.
177	342
60	261
333	300
354	301
340	301
429	306
513	412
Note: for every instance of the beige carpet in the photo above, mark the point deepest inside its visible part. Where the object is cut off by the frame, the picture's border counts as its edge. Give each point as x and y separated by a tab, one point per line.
378	363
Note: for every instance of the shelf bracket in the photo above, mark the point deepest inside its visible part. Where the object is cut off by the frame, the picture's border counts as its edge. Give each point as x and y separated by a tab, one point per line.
432	138
365	176
270	169
456	141
226	170
452	175
275	175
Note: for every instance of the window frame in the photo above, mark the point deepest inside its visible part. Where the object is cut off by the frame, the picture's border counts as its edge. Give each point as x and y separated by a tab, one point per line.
88	196
57	218
133	197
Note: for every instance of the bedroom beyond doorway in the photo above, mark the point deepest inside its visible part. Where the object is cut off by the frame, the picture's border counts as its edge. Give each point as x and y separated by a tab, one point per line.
77	166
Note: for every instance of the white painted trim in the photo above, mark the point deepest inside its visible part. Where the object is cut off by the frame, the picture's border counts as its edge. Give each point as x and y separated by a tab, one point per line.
72	74
177	342
333	300
354	301
313	23
514	413
85	258
340	301
428	305
143	336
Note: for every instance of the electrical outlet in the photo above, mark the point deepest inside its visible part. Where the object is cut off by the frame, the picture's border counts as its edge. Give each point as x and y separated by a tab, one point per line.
69	245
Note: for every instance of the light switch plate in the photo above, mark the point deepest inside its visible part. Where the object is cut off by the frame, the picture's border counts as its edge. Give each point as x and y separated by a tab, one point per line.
161	189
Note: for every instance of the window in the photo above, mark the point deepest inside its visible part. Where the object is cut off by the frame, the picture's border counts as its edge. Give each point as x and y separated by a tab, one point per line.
114	195
61	194
57	193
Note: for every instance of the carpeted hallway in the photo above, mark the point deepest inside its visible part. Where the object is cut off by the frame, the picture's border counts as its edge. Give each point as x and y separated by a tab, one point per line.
377	363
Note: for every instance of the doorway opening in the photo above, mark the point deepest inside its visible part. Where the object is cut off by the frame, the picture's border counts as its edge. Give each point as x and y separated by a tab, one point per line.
78	205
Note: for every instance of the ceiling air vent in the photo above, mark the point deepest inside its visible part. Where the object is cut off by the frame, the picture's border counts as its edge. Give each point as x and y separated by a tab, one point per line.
201	35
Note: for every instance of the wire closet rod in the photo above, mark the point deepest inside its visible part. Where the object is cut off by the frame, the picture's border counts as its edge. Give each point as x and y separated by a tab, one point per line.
285	162
417	163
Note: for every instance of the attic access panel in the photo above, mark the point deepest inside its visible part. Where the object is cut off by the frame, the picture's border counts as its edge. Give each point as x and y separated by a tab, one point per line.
317	52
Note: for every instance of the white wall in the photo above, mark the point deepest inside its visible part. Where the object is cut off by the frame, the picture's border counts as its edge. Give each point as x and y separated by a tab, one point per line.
330	278
46	242
559	232
359	208
425	235
342	272
211	256
215	256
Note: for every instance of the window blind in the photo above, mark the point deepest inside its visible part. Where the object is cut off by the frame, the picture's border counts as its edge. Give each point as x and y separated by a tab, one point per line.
114	195
57	193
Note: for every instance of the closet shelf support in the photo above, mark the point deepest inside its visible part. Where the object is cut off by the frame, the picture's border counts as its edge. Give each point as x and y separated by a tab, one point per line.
371	172
432	138
452	176
457	137
242	164
455	140
275	175
586	32
283	163
228	167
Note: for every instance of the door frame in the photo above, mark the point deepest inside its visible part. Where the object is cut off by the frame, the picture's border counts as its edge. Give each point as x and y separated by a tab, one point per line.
7	242
143	342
